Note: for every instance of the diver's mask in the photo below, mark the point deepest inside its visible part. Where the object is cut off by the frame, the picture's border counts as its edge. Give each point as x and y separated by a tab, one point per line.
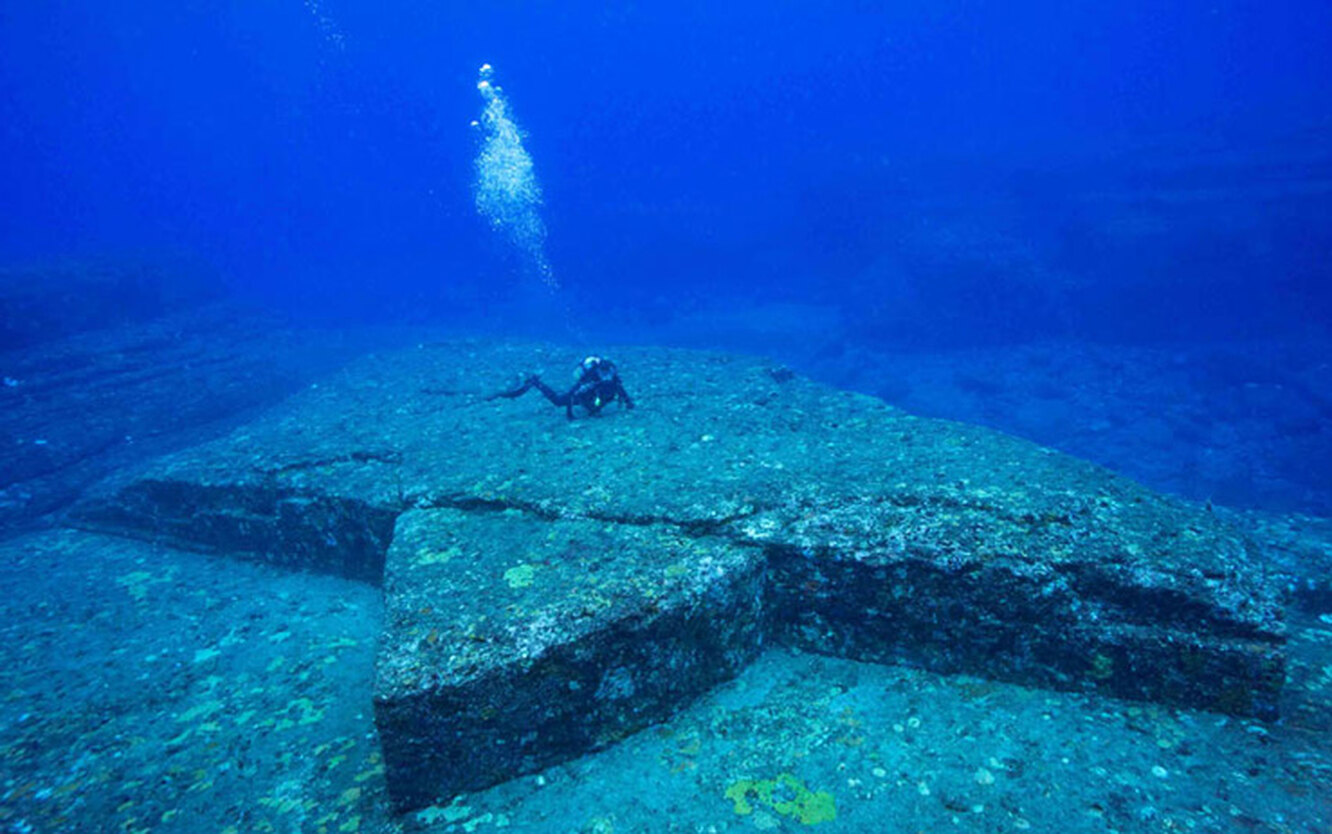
589	365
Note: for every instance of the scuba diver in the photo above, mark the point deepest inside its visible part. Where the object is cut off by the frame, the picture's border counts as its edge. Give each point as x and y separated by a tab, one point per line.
596	385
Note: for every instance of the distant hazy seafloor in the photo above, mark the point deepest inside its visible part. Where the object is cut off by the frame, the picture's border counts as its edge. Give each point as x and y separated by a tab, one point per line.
149	689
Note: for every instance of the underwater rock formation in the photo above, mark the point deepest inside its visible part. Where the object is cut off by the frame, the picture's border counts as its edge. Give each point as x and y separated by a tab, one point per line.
554	586
78	407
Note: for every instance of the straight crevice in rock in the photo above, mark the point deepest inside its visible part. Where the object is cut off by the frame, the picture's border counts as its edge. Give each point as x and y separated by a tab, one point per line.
551	586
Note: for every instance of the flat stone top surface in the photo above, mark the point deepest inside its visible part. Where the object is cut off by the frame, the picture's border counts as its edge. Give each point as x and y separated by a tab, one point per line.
734	445
469	593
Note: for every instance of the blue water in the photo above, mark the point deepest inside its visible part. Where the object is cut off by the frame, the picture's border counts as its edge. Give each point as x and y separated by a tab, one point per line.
698	154
924	177
1101	226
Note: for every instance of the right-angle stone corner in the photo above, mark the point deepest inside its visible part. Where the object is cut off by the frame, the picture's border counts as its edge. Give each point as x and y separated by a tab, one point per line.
514	643
552	585
1114	591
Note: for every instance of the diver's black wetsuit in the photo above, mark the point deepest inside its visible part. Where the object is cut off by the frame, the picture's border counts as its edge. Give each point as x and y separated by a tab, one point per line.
598	386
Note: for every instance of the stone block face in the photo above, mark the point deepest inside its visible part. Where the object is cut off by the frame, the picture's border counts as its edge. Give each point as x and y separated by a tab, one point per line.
514	643
291	528
998	624
552	586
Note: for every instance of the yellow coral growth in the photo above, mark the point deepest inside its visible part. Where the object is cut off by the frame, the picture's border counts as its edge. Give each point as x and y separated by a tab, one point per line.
786	795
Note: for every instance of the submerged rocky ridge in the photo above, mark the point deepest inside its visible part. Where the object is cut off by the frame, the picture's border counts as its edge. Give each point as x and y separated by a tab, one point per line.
75	408
551	587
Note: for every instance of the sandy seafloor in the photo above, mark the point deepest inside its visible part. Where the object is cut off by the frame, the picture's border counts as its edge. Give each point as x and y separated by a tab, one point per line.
221	696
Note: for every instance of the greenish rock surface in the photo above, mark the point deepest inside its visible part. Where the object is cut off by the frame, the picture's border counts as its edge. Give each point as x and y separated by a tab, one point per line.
482	674
552	586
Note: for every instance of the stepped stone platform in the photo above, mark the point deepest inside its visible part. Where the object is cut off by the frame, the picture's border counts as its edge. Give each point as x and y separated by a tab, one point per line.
553	586
80	406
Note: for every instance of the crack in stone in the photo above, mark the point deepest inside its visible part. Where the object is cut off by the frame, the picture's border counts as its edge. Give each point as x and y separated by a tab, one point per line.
691	527
388	457
522	631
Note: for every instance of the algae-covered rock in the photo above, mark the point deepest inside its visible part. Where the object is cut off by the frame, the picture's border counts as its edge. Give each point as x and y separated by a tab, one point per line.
613	627
553	585
786	795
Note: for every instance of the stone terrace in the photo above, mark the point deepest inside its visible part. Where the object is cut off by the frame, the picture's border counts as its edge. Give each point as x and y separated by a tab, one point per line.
553	586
